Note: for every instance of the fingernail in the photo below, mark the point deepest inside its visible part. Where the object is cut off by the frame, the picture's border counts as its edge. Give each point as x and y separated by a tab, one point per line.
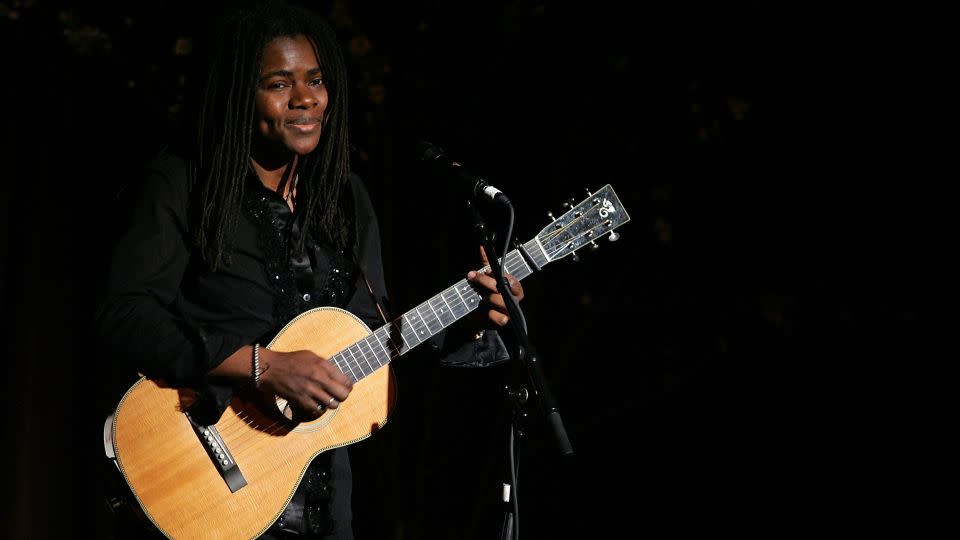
471	274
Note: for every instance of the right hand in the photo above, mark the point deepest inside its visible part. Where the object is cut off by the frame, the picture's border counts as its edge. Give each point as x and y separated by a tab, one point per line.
307	381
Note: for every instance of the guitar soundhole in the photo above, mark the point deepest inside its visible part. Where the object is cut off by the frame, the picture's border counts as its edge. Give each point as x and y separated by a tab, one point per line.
287	411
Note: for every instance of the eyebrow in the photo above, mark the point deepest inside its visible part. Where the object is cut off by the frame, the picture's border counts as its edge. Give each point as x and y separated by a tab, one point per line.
288	74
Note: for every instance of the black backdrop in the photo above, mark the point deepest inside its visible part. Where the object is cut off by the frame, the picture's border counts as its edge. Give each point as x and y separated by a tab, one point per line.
695	361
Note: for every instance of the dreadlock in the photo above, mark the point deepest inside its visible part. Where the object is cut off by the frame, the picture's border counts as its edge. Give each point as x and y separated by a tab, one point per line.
226	125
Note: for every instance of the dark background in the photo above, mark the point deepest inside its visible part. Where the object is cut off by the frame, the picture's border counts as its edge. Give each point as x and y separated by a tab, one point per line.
715	367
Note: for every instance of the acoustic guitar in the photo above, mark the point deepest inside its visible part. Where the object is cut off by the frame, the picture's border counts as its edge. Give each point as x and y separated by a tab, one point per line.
234	478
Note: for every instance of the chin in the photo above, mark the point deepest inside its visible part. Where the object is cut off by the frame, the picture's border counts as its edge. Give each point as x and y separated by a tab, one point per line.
302	147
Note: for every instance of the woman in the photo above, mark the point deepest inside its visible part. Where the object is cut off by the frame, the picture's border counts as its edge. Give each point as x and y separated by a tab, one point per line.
260	223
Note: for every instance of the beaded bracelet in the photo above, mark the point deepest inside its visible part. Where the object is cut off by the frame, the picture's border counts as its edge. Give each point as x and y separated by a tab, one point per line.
256	365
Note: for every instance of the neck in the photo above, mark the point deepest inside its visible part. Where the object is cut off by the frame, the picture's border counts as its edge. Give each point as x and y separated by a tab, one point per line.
276	175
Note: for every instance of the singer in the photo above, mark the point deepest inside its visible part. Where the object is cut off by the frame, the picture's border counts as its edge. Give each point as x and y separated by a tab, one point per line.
255	222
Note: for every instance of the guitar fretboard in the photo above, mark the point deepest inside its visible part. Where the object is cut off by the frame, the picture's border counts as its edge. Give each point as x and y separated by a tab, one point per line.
427	319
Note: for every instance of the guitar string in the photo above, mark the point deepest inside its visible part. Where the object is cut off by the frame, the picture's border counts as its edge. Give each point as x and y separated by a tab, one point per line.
276	426
555	233
232	429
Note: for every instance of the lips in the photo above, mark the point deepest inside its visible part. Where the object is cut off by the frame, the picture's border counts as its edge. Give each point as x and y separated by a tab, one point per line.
304	124
303	121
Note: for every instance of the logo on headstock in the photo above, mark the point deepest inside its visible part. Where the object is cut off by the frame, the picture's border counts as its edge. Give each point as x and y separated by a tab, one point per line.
607	208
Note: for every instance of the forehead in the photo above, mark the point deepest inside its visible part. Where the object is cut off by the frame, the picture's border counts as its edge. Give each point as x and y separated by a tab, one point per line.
288	52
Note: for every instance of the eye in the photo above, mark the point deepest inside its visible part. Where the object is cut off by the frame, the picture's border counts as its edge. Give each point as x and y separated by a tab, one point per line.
317	81
276	85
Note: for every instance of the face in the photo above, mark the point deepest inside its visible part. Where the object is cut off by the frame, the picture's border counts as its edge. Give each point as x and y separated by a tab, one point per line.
291	98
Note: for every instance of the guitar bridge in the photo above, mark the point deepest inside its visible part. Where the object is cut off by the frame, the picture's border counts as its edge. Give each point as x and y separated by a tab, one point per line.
219	454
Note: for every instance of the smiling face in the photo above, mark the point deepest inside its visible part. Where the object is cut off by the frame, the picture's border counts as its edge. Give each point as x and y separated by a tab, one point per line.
291	99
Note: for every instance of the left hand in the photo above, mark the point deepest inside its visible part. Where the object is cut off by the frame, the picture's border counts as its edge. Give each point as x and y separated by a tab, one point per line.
493	312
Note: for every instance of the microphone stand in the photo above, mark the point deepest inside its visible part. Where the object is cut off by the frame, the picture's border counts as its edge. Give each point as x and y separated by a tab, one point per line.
518	396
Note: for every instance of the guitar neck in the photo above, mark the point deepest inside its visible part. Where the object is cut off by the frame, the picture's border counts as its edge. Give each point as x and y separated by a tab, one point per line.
428	319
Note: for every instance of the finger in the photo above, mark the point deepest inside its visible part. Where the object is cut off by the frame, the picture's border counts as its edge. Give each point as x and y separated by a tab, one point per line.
334	373
515	288
490	283
497	317
307	405
483	256
343	379
336	390
332	403
483	279
514	284
325	400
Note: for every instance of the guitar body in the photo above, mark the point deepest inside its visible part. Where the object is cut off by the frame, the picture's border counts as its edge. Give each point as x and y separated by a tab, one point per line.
175	479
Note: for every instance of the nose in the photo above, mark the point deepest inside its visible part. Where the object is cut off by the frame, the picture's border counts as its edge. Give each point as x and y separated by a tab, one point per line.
302	97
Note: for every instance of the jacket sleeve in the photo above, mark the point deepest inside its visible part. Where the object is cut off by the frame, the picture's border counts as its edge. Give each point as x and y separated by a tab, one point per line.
138	321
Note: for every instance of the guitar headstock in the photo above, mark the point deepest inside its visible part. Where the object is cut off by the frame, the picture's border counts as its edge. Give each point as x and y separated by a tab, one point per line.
591	219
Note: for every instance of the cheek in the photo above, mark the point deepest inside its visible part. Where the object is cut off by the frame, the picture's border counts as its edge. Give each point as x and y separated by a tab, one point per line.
323	101
267	115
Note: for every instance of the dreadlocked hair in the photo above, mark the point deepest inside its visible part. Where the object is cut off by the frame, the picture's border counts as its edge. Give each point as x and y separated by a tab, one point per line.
226	125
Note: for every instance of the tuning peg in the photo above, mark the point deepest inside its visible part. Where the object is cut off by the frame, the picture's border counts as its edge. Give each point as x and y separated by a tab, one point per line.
574	257
594	245
614	236
588	191
550	215
570	203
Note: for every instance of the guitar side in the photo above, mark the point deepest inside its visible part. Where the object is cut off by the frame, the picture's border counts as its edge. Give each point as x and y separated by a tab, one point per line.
173	477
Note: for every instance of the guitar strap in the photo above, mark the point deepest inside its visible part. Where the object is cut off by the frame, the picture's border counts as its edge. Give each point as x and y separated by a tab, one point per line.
372	295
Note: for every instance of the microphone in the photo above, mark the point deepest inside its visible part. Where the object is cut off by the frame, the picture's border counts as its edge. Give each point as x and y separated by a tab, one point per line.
474	185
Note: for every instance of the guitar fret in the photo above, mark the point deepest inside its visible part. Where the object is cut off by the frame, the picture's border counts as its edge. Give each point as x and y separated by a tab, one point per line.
401	328
435	316
472	297
445	302
424	321
359	358
427	320
509	265
441	311
350	367
396	346
337	358
413	328
360	354
362	357
458	307
456	289
369	352
541	251
520	269
387	352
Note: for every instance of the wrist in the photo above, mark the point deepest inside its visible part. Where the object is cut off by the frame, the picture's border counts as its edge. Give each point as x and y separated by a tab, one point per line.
255	365
259	364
